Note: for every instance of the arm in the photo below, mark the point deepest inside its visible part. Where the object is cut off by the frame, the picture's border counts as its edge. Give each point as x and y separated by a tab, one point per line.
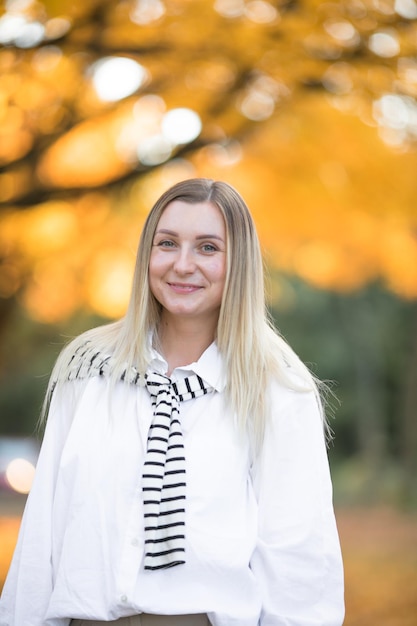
29	582
297	562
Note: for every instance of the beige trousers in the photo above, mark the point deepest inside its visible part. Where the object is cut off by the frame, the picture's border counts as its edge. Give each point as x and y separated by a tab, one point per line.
144	619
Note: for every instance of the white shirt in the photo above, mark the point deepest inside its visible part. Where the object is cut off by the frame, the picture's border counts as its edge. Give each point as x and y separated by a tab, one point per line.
262	543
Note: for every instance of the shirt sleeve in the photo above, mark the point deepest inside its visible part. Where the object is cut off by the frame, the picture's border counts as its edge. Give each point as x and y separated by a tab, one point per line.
28	586
297	562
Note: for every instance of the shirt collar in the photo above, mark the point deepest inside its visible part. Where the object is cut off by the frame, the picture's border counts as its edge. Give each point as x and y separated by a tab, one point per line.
209	366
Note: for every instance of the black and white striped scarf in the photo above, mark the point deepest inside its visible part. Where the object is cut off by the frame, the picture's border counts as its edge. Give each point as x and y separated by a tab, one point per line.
164	483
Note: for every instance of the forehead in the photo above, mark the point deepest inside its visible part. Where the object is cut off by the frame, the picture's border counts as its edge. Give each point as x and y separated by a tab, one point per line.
180	215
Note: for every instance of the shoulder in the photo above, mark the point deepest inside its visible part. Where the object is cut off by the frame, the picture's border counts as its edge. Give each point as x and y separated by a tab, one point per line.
295	397
82	358
89	354
78	361
290	381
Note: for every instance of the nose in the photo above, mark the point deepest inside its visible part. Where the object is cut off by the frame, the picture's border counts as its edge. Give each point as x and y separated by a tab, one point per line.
184	261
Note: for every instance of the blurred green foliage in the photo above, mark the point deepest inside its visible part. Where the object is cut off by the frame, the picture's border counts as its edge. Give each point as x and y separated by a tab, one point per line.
364	344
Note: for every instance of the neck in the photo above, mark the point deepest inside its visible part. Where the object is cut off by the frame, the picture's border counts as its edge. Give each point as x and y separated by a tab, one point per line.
183	341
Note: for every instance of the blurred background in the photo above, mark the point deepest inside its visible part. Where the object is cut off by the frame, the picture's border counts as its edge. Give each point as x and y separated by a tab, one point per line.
310	110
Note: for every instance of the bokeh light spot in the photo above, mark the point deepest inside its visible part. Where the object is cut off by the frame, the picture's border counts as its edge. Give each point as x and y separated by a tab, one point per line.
406	8
230	8
147	11
115	78
154	150
384	44
181	125
344	32
19	475
261	12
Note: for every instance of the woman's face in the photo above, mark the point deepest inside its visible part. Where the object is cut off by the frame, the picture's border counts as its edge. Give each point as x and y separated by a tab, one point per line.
187	268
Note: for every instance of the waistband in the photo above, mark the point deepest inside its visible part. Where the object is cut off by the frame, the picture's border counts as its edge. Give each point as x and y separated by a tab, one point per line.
146	619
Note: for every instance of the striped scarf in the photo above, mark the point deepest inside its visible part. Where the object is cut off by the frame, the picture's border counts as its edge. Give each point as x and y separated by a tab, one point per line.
164	471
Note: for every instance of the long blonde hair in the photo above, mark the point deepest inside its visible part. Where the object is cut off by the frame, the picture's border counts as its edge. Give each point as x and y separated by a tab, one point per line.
252	349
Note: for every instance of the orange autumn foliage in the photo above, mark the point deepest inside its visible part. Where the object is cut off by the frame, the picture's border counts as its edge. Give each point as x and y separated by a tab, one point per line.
291	111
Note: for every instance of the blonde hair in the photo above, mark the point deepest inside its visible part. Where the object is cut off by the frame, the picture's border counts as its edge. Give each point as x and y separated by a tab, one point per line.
254	353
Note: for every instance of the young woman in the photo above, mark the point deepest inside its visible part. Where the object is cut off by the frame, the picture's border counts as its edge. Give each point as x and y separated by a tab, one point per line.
183	477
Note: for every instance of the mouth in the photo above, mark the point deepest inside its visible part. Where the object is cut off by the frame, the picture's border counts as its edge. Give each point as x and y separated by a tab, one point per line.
184	287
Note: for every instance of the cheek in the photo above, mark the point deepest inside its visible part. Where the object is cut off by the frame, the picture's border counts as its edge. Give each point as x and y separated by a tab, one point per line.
156	265
154	272
218	271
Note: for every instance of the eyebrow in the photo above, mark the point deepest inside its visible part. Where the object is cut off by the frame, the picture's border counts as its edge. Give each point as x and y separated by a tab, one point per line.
163	231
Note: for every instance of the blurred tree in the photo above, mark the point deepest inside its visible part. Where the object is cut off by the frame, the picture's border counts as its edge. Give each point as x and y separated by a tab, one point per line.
104	103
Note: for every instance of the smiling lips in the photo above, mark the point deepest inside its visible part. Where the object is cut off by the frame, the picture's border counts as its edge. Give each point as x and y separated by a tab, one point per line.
184	287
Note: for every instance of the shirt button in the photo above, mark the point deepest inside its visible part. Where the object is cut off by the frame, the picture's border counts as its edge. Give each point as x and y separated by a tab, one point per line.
123	598
135	542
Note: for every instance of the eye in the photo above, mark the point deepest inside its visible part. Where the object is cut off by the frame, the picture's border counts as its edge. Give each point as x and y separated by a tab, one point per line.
165	243
208	247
